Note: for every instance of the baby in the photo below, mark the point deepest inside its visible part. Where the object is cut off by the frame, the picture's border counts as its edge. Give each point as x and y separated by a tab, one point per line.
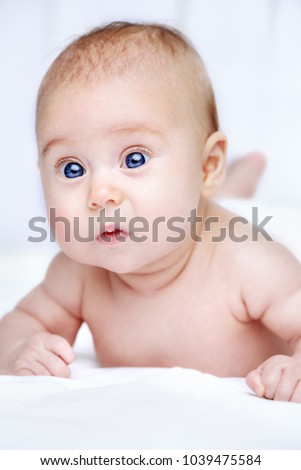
130	153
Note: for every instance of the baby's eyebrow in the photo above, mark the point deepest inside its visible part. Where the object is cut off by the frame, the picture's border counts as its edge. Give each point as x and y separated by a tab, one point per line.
133	129
51	143
136	129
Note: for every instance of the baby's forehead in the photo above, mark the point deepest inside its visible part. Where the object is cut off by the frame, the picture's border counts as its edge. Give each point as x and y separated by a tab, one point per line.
145	94
152	72
117	48
155	54
136	60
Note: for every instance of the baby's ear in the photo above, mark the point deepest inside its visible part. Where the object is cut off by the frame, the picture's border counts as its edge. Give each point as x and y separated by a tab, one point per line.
213	162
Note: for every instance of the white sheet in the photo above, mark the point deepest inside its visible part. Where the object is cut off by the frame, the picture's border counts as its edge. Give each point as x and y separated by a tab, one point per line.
142	409
147	408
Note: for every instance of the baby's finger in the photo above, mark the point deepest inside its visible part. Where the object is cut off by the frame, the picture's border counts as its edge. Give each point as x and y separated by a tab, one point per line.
34	368
23	372
253	380
296	396
55	365
286	385
270	378
60	346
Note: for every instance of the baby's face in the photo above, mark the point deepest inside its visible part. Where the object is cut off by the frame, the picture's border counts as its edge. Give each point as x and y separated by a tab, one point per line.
125	144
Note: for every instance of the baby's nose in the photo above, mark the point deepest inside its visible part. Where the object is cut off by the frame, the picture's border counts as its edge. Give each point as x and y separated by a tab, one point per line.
104	195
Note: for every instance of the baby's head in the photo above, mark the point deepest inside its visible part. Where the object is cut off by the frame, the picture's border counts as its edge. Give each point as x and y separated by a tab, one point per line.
120	48
126	119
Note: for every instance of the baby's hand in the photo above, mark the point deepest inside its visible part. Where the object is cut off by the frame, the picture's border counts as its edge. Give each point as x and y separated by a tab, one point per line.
278	378
42	354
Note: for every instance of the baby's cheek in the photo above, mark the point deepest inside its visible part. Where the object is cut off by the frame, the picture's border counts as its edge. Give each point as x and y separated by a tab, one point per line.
60	222
62	233
74	231
168	227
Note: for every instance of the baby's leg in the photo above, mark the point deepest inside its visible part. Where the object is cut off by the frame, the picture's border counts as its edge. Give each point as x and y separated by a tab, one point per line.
243	176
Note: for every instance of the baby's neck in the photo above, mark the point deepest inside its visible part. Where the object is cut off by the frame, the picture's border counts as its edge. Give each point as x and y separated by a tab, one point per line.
165	272
152	278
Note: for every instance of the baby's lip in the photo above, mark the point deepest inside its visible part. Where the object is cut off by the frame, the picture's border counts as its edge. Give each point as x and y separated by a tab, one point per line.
111	230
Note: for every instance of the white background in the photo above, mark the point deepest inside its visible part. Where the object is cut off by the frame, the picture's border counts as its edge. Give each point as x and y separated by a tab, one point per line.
252	52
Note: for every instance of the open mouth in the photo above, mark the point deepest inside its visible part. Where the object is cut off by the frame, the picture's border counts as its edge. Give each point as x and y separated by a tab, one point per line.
112	235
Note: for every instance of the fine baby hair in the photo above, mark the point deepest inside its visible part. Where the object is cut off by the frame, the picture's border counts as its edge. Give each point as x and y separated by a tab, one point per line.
115	48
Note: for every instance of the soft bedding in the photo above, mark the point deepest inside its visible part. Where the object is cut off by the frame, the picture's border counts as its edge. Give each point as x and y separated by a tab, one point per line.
141	408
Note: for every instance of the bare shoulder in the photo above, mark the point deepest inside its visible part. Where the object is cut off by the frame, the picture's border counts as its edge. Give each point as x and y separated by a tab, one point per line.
251	248
269	273
262	269
56	303
65	280
69	282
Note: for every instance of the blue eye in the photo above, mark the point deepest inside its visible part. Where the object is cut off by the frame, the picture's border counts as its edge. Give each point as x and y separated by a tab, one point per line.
135	159
72	170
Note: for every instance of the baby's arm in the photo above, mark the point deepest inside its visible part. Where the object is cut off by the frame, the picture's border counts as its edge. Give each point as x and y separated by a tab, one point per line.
273	296
36	337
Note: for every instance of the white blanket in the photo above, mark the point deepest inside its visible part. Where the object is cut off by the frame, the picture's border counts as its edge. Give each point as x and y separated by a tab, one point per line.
140	408
130	408
147	408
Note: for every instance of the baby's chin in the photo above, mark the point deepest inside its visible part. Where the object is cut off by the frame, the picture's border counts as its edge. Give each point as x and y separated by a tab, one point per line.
120	259
116	263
